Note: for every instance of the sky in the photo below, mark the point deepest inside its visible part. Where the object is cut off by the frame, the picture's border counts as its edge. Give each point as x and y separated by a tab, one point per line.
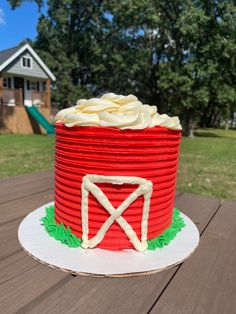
17	25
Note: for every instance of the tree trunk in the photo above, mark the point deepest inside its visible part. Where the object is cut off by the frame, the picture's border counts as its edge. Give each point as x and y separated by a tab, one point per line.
188	130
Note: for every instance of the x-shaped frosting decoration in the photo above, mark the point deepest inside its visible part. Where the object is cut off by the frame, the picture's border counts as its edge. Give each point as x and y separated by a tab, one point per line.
89	185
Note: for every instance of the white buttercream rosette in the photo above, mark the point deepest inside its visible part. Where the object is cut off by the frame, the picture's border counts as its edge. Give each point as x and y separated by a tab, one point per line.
111	110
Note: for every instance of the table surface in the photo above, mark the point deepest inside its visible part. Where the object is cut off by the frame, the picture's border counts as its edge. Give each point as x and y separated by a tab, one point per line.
204	283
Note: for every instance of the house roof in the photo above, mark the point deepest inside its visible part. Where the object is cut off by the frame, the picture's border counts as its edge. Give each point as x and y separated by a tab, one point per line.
9	55
6	54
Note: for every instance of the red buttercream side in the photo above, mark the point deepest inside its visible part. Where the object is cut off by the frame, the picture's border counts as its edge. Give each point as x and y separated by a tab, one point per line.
150	153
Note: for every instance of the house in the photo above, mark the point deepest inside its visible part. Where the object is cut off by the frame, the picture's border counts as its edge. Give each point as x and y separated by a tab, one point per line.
25	90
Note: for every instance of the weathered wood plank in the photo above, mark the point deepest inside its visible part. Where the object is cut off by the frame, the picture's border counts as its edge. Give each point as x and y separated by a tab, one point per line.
98	295
24	178
206	283
22	278
26	185
199	208
17	292
19	208
129	295
9	243
15	265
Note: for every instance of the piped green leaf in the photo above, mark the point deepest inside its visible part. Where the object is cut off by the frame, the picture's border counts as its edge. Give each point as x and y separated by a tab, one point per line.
59	231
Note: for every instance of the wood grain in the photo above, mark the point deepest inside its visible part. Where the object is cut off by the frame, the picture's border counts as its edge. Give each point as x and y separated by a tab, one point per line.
9	243
206	283
14	265
199	208
25	185
19	208
129	295
17	292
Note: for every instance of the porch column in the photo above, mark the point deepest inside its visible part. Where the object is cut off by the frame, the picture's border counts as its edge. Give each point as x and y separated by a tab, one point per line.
1	89
48	93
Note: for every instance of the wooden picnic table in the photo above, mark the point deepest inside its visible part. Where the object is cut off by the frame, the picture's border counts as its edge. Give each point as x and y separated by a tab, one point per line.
204	283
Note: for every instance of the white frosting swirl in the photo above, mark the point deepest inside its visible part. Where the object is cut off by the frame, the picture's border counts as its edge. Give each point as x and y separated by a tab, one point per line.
111	110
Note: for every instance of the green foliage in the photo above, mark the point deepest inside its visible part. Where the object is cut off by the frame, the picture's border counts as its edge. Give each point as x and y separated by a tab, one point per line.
17	3
59	231
178	55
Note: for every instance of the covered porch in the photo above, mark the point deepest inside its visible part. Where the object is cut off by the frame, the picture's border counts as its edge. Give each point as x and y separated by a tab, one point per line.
17	93
19	90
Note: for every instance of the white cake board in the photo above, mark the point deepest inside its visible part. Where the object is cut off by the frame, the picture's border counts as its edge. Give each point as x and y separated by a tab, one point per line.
97	262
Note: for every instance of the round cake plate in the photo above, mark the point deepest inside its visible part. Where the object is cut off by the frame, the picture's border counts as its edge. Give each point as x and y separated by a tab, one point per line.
102	263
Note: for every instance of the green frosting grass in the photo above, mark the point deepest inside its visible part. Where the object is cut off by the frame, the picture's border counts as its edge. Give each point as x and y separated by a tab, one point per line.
63	234
59	231
169	234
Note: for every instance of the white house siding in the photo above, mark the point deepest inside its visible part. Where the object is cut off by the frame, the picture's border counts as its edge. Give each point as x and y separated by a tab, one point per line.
28	101
15	67
28	93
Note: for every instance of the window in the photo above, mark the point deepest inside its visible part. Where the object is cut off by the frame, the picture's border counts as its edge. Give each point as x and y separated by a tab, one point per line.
7	82
26	62
33	86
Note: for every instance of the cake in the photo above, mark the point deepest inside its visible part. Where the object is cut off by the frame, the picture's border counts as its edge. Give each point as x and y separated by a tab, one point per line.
115	175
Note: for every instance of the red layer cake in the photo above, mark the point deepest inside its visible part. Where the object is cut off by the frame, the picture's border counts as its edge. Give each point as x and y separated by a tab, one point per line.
150	153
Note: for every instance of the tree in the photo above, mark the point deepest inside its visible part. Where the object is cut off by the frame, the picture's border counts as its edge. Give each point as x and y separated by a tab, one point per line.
68	38
178	55
68	41
187	49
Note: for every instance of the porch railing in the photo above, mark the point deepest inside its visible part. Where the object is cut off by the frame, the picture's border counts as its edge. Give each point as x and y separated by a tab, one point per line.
12	97
39	99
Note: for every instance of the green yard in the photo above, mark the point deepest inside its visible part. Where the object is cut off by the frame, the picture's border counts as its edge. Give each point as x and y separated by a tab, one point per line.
24	154
207	162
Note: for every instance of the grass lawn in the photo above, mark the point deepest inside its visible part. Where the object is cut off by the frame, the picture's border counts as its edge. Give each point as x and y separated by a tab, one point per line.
207	162
24	154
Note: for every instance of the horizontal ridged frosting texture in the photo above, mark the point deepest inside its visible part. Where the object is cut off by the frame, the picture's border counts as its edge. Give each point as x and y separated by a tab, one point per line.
150	153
